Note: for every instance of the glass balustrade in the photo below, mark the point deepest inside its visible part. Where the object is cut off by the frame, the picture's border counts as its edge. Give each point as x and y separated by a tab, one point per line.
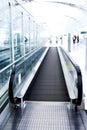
20	36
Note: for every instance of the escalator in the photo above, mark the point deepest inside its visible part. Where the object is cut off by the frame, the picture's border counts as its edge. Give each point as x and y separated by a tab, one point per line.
46	102
49	84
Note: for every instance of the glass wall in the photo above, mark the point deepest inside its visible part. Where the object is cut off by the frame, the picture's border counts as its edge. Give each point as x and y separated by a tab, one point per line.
19	36
5	51
26	26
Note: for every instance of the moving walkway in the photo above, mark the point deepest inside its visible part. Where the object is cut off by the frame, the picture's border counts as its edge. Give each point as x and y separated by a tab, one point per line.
47	99
49	83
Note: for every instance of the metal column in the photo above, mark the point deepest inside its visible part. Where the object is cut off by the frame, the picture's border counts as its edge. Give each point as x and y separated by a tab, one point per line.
86	56
11	32
69	42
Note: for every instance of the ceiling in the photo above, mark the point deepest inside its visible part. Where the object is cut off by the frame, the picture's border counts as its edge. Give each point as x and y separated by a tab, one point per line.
58	16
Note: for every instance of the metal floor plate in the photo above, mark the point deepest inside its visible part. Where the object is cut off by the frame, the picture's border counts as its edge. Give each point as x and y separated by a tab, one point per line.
47	116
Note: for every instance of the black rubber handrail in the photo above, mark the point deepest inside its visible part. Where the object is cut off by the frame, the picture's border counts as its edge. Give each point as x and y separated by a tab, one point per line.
79	78
11	84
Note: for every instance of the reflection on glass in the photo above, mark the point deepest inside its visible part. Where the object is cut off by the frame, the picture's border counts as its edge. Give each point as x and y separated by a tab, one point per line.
19	37
5	53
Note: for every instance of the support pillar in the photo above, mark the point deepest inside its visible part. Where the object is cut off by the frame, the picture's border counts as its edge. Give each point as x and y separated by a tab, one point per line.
86	56
69	42
11	32
29	34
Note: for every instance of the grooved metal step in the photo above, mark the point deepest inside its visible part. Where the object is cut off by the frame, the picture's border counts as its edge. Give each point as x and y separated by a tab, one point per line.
47	116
